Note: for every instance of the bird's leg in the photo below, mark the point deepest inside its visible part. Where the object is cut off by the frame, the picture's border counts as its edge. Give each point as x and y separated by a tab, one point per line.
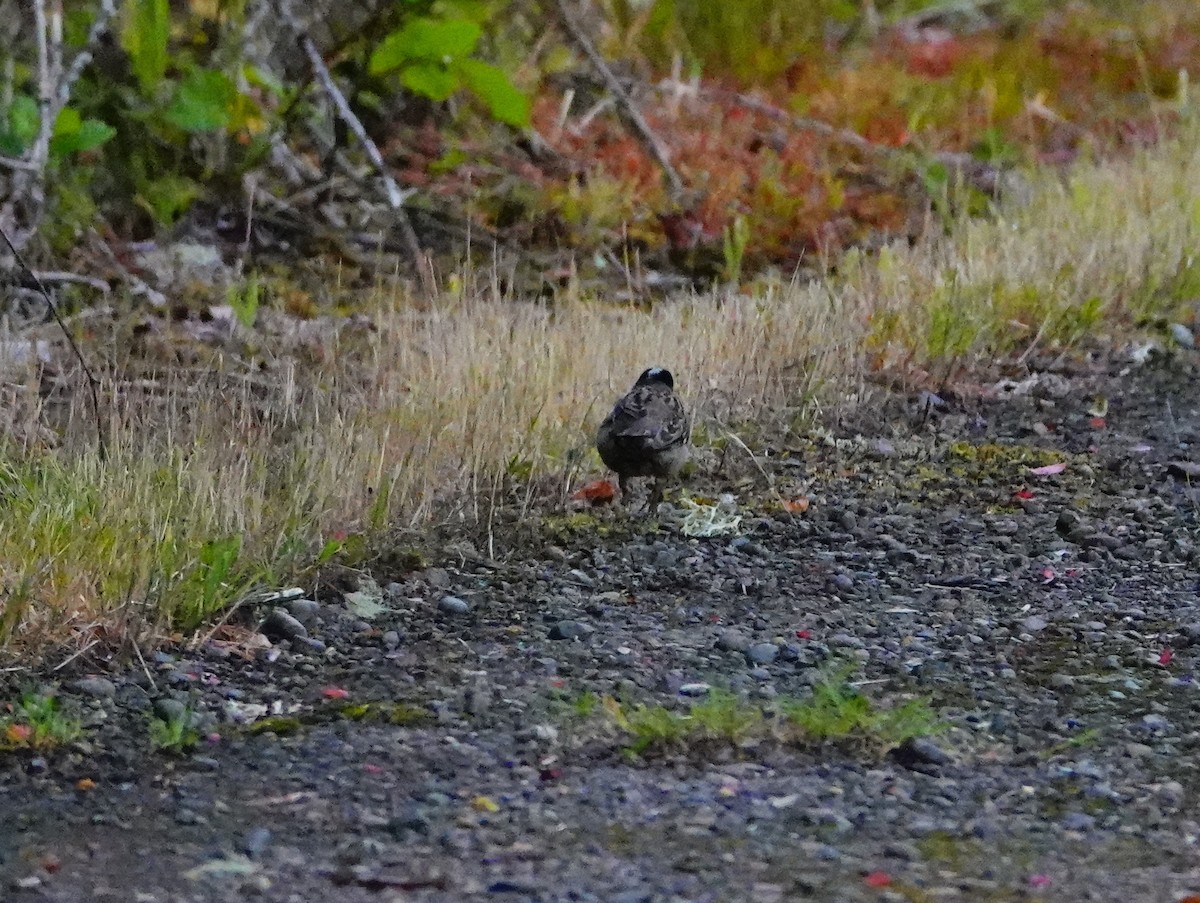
656	494
622	488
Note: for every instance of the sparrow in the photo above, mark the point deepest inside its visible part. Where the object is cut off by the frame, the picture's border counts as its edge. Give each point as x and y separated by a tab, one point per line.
646	434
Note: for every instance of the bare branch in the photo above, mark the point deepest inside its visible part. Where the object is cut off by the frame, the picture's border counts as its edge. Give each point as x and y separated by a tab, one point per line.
625	107
108	9
395	195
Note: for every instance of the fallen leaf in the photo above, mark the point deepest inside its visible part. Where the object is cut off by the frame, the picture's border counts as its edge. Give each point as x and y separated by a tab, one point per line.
1048	470
85	784
1099	407
1023	494
804	634
1039	881
1164	657
18	733
370	768
1097	423
484	804
877	879
597	492
335	693
796	505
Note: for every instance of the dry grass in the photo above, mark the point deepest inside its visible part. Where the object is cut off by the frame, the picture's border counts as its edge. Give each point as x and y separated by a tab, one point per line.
222	484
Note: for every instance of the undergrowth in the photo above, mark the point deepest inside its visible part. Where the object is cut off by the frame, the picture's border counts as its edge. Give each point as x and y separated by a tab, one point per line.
217	483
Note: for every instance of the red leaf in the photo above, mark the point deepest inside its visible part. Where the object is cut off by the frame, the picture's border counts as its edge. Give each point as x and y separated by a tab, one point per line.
1048	575
1039	881
877	879
796	505
1097	423
1166	655
335	693
371	768
1023	494
804	634
598	492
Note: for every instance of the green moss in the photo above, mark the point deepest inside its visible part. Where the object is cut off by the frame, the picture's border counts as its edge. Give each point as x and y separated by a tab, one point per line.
281	725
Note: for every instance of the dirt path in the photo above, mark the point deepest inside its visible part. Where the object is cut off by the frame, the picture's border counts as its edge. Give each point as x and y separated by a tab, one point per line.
1051	621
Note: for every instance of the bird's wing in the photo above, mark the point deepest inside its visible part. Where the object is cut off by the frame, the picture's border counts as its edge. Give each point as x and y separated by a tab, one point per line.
654	416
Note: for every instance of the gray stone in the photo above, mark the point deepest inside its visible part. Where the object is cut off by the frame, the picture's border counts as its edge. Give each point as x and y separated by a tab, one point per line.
731	640
438	577
1079	821
1183	336
255	841
452	605
762	653
570	630
281	625
304	610
100	687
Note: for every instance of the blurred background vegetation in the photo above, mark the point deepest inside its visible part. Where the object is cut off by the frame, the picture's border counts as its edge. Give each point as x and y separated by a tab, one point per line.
798	129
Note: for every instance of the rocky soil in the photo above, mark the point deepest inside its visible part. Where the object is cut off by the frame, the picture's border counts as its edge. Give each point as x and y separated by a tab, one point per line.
1048	614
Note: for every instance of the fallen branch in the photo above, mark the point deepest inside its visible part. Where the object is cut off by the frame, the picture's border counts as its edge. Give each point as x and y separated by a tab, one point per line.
625	107
101	445
396	196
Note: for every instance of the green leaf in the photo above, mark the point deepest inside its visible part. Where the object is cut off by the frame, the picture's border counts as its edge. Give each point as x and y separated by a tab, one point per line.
74	135
167	196
144	37
203	101
492	85
23	119
425	40
430	80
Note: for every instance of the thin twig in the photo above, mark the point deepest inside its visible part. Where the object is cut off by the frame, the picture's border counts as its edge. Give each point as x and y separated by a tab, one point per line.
58	277
625	106
108	9
74	655
101	445
396	196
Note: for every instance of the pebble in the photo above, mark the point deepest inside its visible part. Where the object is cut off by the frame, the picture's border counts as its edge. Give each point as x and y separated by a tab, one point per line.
843	582
730	640
762	653
255	841
1155	722
452	605
304	610
1183	336
282	625
100	687
169	708
438	577
694	689
1034	624
920	751
1079	821
570	630
390	639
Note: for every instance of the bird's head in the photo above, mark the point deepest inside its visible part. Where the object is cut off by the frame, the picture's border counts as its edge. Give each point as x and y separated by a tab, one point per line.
656	375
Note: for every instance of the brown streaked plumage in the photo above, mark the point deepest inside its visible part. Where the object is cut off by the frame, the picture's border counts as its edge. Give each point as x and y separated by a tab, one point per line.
646	433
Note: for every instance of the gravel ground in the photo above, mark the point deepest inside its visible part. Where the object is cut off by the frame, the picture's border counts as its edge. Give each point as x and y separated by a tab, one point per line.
1049	619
